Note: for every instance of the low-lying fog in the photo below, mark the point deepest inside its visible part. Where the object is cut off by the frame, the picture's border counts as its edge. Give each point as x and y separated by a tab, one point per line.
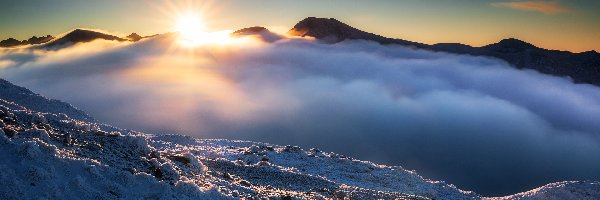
470	121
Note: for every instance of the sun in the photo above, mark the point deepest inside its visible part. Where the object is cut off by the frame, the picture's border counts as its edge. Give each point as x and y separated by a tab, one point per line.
193	33
190	27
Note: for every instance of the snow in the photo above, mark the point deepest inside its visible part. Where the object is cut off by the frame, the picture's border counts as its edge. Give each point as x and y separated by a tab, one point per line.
58	152
561	190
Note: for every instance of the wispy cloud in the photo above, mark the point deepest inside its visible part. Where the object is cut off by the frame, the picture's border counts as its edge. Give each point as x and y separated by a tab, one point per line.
552	7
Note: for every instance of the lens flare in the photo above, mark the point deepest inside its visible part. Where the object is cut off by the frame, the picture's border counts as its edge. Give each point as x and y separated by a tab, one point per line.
189	26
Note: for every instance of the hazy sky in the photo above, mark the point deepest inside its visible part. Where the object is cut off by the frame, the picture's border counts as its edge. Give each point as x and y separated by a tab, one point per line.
570	25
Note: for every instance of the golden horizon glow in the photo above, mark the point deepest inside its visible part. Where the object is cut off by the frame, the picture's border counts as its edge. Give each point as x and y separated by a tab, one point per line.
192	33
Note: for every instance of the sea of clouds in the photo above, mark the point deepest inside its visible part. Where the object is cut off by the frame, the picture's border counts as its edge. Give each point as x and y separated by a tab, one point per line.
474	122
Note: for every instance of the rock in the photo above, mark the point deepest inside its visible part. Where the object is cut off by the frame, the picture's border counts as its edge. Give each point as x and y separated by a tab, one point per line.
227	175
155	154
101	133
290	148
286	197
158	173
93	146
245	183
263	163
9	121
182	159
39	118
39	133
68	139
9	132
268	148
3	138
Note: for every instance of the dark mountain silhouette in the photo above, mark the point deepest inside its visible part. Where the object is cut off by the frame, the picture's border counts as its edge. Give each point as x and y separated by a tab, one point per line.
39	40
134	37
251	30
73	37
81	35
332	30
11	42
581	67
260	31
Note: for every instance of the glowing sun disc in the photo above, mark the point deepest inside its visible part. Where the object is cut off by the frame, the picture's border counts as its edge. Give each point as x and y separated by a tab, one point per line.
189	26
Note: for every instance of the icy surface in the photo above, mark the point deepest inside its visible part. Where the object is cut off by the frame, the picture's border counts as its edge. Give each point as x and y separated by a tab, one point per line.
46	153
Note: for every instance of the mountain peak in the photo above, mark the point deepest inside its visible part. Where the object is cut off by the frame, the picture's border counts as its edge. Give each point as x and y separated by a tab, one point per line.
39	40
82	35
333	31
10	42
324	27
512	43
134	37
250	30
262	32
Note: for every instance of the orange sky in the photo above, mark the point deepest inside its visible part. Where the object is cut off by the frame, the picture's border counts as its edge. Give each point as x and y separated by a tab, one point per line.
557	24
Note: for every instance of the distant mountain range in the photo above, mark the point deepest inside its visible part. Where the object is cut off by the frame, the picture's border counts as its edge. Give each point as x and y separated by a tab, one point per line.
73	37
582	67
11	42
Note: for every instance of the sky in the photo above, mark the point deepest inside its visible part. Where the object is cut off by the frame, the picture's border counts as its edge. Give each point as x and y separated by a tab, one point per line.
564	25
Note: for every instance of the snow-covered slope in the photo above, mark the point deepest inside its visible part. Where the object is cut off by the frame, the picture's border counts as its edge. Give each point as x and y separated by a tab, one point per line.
44	154
26	98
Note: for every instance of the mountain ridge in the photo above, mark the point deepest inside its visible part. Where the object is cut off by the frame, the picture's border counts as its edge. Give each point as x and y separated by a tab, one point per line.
582	67
12	42
79	35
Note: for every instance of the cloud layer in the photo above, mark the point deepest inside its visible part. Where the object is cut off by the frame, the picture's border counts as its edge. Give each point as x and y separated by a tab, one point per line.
546	7
471	121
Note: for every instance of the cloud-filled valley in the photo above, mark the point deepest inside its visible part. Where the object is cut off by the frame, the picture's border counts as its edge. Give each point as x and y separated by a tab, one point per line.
472	121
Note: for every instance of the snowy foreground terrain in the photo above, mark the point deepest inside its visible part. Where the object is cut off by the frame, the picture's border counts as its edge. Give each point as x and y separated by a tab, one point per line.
48	149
